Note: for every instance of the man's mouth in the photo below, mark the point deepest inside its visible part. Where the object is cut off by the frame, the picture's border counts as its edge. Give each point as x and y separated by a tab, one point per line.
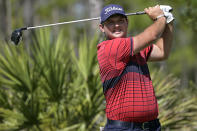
117	32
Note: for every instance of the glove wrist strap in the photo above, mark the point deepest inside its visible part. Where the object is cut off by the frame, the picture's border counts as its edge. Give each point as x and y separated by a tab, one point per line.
159	17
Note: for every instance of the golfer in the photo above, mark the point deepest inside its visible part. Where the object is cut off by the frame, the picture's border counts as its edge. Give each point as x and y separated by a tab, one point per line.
131	104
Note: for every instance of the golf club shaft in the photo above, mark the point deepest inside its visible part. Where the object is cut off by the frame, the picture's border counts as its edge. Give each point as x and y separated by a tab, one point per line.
62	23
77	21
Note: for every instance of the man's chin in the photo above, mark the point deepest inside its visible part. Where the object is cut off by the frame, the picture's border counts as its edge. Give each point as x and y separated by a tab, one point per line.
120	35
117	35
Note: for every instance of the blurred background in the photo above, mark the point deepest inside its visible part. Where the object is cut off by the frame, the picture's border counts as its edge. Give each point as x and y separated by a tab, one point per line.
51	80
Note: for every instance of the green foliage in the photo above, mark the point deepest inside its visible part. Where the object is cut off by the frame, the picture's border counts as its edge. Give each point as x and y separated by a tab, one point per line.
177	106
51	87
89	97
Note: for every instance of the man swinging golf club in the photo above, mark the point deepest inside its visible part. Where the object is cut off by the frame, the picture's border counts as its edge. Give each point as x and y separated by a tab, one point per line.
131	104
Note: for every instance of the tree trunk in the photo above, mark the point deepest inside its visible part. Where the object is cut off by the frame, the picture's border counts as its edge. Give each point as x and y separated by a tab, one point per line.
28	19
95	7
55	17
5	19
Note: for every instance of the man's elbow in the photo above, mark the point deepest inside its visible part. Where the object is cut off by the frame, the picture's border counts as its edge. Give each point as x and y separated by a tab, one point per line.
165	57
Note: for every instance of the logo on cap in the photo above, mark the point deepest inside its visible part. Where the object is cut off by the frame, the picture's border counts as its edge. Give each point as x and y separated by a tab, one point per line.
112	9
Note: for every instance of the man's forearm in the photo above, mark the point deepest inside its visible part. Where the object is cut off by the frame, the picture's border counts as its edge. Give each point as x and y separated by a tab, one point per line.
156	29
150	34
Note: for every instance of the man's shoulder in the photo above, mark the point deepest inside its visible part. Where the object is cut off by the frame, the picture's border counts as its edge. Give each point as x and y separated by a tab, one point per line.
116	40
115	44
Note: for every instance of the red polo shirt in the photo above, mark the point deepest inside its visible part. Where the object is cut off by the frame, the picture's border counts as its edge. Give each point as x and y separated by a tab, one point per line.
127	85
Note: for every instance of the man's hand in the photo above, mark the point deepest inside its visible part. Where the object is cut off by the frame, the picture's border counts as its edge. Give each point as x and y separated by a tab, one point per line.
154	12
166	8
169	17
167	12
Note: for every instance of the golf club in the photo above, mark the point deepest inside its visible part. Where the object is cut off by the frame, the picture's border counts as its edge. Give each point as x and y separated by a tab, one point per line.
17	34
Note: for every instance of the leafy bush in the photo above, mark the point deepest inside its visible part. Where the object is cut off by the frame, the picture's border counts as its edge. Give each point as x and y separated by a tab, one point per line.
177	106
50	87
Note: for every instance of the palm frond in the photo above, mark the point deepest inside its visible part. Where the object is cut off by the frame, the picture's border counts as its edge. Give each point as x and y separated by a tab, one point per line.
177	109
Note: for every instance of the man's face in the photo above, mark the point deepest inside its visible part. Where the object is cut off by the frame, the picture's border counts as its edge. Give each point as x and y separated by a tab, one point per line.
115	27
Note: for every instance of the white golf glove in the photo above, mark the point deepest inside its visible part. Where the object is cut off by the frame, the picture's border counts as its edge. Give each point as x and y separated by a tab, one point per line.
169	17
166	10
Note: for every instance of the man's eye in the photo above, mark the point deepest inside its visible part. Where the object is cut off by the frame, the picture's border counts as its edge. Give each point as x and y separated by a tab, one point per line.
121	21
111	23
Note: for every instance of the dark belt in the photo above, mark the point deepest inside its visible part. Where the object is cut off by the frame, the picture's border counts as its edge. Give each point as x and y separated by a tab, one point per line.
144	125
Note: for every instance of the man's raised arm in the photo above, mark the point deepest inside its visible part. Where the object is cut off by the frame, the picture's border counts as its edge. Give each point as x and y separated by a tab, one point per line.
161	49
152	32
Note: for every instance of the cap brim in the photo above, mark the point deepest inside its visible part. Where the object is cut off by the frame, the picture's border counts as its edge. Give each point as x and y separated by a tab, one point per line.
114	13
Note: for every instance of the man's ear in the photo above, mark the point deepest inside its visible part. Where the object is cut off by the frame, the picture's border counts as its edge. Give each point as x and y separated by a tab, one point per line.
101	26
127	21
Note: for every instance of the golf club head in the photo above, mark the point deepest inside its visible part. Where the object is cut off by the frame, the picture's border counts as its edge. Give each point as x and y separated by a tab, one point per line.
16	35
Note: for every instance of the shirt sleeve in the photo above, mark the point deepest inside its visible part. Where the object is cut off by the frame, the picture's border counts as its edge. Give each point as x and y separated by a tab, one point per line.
147	51
119	52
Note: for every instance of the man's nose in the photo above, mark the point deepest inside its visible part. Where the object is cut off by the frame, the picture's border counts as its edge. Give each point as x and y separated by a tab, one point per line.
117	24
